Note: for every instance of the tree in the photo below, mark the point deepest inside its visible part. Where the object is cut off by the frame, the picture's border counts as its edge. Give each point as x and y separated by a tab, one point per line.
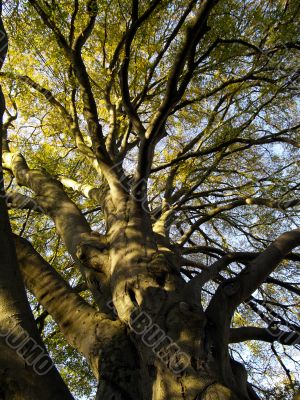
150	151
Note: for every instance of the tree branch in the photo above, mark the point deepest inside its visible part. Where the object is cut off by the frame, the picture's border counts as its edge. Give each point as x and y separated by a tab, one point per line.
273	138
270	335
47	94
156	128
87	330
136	23
260	268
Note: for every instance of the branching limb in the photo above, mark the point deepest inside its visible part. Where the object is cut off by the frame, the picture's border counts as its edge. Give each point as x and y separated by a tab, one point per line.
174	91
233	292
277	204
280	136
136	23
73	54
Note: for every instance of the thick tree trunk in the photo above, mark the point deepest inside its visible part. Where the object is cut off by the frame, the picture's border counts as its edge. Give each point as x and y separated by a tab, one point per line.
174	364
182	353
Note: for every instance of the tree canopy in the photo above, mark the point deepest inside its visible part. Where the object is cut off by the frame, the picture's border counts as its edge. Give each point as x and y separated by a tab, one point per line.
191	110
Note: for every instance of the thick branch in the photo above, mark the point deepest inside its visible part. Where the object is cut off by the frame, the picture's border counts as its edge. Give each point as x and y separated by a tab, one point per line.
90	192
262	266
69	221
270	335
83	327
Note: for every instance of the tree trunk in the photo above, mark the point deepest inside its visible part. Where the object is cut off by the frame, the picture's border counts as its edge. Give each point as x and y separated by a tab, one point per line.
175	360
181	353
